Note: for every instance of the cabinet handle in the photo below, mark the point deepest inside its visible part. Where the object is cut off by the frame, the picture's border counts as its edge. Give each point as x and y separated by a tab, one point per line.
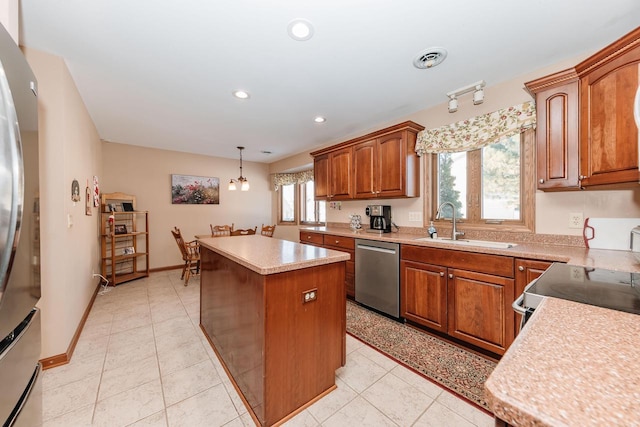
581	177
337	241
450	275
520	268
541	181
308	237
442	274
636	108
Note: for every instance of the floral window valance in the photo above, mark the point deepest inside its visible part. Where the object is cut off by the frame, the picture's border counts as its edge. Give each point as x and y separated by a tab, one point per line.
477	132
279	179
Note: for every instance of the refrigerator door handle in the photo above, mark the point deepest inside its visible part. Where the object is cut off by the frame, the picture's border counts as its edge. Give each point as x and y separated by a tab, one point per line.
11	182
24	398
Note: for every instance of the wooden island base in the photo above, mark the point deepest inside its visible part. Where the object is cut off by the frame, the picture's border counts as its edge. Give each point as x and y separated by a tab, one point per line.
280	350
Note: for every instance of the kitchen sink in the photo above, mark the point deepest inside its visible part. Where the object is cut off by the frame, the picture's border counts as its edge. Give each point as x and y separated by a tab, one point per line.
468	242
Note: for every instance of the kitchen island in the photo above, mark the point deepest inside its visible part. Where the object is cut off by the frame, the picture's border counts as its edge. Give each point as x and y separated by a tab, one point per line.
572	365
274	312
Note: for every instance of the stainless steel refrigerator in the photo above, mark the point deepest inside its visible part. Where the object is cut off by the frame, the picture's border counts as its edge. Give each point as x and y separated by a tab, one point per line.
20	392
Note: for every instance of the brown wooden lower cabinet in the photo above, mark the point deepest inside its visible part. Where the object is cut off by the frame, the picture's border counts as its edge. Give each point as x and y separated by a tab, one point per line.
338	243
424	294
480	309
440	292
280	351
526	271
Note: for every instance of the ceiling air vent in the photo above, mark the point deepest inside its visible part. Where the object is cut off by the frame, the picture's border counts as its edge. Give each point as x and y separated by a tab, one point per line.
429	58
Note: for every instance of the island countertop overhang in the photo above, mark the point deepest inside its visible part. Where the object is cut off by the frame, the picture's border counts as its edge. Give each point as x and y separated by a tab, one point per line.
266	255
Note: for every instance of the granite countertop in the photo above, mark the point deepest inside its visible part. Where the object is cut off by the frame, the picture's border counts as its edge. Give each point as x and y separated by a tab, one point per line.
545	251
572	365
266	255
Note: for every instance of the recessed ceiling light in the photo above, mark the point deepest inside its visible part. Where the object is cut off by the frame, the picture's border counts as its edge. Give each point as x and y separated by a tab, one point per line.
300	29
241	94
319	119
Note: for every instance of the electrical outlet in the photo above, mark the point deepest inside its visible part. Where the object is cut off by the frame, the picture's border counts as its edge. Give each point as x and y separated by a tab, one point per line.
415	216
310	295
576	220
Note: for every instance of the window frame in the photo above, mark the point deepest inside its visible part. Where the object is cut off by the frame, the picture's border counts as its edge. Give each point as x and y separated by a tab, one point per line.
299	207
474	182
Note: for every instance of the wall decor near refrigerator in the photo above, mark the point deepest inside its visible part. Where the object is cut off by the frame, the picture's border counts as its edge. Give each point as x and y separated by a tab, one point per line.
21	396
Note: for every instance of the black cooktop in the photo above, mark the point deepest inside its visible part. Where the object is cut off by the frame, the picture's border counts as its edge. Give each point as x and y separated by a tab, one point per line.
616	290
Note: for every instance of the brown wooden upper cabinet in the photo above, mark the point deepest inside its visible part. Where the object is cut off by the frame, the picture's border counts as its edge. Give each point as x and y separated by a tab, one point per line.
332	175
557	130
586	134
608	133
379	164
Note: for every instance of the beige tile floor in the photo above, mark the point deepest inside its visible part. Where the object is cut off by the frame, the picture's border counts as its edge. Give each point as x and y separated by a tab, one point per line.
142	361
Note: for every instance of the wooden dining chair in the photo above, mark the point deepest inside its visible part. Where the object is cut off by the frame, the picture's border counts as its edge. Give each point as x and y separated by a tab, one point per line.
190	255
267	230
242	232
221	230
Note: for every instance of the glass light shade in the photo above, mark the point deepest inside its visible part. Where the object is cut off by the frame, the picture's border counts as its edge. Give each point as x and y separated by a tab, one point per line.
478	96
245	185
232	186
453	105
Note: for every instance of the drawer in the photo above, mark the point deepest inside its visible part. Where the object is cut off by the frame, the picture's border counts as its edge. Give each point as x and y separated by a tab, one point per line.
339	241
471	261
313	238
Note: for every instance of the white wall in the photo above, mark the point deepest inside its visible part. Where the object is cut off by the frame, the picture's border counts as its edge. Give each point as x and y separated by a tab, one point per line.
69	149
146	173
552	209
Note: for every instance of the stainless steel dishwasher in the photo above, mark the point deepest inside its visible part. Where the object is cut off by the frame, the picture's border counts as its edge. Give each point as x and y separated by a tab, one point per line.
378	275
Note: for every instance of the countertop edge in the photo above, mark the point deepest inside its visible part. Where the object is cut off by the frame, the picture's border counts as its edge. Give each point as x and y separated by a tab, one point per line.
602	258
324	256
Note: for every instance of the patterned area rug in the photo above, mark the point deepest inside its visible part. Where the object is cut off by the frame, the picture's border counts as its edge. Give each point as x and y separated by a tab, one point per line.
456	369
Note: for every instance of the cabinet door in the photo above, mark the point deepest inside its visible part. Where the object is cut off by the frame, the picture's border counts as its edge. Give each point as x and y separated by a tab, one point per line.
480	309
424	294
608	133
526	271
321	177
557	137
340	174
365	165
392	165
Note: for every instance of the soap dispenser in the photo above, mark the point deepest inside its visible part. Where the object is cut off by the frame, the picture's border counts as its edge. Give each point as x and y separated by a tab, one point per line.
433	233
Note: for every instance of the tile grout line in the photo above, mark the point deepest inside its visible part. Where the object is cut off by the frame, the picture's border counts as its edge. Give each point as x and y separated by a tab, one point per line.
104	362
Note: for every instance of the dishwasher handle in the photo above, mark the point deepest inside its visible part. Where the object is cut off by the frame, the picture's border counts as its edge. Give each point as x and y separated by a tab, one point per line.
517	305
376	249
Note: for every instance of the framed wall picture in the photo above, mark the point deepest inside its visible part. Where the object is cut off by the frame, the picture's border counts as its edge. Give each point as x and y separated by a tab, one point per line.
195	190
89	201
120	229
75	191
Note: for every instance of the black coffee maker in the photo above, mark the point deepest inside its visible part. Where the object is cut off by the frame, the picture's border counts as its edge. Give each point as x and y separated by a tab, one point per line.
379	218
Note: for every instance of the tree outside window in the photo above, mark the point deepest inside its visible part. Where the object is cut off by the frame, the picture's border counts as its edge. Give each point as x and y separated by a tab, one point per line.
485	185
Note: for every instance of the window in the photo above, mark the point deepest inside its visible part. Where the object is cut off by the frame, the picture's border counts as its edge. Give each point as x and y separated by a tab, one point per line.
486	185
297	205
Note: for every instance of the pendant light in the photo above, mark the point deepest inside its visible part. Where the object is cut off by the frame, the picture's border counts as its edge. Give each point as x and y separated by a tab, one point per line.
244	184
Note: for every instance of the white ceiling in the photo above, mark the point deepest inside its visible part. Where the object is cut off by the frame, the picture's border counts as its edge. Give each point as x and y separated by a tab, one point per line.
160	73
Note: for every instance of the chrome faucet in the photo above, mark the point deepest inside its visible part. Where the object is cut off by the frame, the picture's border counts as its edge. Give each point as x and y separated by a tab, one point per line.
454	233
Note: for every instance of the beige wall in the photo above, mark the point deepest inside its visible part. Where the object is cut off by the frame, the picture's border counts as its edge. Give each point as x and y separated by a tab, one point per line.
69	149
146	173
552	209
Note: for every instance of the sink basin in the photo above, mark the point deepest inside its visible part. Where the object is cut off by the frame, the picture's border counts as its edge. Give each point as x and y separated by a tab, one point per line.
468	242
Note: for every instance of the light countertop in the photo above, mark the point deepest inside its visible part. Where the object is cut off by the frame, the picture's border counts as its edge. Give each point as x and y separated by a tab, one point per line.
545	250
267	255
572	365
